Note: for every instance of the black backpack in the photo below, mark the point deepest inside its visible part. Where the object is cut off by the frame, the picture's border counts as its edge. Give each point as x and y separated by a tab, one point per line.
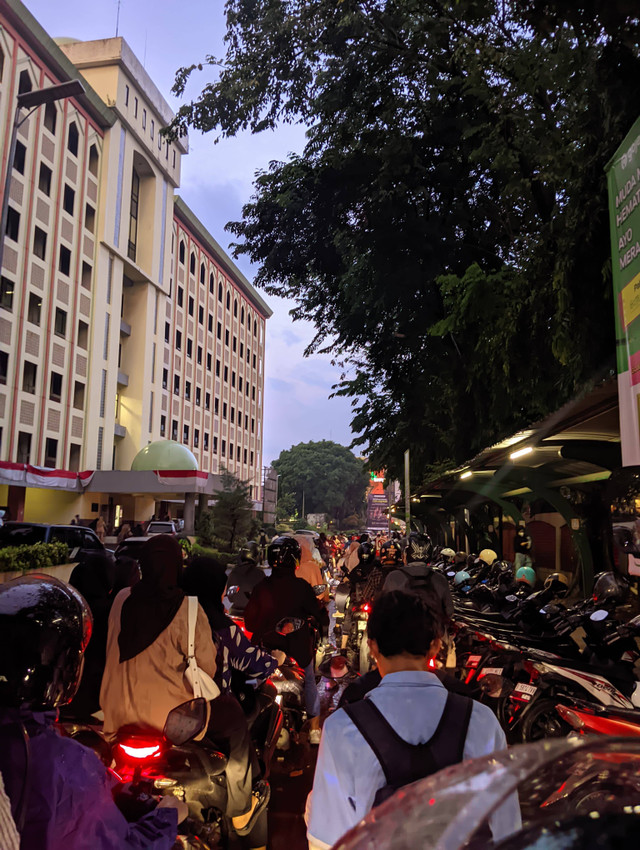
403	763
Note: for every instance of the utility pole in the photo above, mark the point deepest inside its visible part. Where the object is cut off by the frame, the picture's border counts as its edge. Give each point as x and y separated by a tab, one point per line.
407	493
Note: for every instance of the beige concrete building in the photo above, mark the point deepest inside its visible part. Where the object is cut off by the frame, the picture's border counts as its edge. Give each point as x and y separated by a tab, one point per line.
122	321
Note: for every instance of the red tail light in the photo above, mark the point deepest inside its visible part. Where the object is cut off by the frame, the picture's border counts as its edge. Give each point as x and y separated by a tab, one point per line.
141	749
431	664
366	607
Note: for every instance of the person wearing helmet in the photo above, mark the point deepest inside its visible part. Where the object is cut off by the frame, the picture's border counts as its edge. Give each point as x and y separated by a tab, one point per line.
358	578
284	596
244	577
68	802
390	558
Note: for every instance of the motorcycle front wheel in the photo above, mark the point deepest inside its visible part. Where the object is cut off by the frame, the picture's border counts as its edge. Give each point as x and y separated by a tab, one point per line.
543	721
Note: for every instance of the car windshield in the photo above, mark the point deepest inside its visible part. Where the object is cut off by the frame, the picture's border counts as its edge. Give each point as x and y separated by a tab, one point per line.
160	527
17	535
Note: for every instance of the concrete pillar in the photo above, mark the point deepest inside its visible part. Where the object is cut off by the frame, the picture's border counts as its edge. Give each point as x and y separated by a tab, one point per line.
203	504
190	514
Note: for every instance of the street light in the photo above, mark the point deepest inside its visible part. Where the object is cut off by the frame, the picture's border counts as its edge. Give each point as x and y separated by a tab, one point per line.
30	100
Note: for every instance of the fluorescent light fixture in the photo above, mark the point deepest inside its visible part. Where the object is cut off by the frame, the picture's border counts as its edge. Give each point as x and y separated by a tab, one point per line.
521	452
466	474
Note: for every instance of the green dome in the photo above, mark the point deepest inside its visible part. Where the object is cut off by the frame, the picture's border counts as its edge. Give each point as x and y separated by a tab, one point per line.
164	454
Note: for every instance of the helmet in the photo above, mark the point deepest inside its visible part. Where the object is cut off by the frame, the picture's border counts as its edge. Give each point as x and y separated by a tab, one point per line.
365	553
364	538
610	587
419	547
558	583
503	570
448	554
47	624
390	552
460	558
461	577
249	552
526	575
488	556
284	553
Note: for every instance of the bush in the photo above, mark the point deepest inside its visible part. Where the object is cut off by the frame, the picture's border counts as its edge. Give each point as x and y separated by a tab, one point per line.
14	558
224	557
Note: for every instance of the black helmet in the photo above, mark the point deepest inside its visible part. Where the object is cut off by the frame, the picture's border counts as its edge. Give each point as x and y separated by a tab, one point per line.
390	552
249	552
365	553
558	583
503	571
45	626
419	547
610	587
284	553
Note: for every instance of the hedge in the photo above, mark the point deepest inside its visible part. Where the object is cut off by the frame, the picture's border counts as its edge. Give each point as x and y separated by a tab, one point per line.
16	558
225	558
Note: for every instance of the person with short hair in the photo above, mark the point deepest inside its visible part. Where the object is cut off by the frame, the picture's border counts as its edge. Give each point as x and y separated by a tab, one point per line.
403	636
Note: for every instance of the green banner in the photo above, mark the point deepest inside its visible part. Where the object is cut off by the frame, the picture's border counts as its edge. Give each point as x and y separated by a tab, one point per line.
623	176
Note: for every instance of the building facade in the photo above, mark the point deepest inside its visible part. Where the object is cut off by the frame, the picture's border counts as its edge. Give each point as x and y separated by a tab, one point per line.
112	331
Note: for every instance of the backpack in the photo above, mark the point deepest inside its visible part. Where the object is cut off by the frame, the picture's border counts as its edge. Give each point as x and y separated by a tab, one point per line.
428	583
403	763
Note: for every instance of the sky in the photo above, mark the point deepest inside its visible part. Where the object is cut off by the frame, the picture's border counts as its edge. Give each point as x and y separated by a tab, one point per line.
216	182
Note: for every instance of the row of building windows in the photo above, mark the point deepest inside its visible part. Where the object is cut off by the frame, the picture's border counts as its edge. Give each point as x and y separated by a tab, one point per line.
152	126
241	454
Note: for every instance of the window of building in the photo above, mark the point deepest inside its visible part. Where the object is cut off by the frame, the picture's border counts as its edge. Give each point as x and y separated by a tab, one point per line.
226	374
90	218
153	128
6	293
253	393
174	159
185	433
207	401
23	453
253	426
179	340
240	383
228	300
44	179
133	215
217	368
235	308
205	441
64	260
191	305
159	142
144	119
220	292
223	448
226	337
93	160
24	82
216	406
219	330
68	199
167	332
181	253
50	118
209	361
39	242
248	354
165	378
199	359
198	396
83	334
19	157
201	315
203	273
242	316
232	415
176	384
78	395
174	430
126	95
235	343
4	366
187	390
255	327
180	296
163	424
210	323
224	409
211	283
246	421
29	374
189	347
192	263
215	445
135	107
74	457
246	387
245	456
196	438
233	379
72	138
60	322
230	451
12	229
254	361
251	458
241	349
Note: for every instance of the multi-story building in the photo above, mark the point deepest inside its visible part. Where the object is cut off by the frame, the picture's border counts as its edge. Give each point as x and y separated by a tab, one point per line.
113	333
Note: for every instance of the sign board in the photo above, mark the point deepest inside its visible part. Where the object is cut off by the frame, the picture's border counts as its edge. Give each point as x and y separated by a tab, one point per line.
623	177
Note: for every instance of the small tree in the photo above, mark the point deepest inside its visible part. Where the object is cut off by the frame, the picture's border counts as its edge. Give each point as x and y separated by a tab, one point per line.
232	511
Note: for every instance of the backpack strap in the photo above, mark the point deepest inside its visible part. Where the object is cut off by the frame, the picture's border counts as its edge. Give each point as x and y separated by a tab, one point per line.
377	732
447	742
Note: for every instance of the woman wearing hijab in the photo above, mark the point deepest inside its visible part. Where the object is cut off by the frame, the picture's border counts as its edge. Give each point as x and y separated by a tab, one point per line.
206	578
147	643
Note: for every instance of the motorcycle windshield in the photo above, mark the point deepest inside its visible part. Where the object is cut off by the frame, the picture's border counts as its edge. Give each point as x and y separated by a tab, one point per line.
554	780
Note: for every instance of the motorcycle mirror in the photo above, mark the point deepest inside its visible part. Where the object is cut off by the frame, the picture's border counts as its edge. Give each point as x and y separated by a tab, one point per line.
232	591
186	722
288	625
599	615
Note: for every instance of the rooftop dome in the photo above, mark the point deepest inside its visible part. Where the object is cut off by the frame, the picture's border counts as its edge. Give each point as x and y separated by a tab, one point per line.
164	454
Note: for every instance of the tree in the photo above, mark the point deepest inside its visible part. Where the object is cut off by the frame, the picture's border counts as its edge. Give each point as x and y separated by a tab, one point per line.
325	476
286	506
232	511
446	226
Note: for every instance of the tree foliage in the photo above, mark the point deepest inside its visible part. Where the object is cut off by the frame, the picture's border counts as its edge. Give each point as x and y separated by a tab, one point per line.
231	513
446	226
325	475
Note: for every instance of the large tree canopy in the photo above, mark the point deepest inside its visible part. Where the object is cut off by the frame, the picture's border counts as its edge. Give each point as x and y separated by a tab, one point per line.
445	227
326	476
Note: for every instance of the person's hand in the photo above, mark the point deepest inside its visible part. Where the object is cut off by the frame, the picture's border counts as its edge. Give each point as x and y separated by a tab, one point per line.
279	655
171	802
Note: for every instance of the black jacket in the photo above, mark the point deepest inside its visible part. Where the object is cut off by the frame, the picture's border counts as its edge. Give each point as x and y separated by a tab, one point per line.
244	576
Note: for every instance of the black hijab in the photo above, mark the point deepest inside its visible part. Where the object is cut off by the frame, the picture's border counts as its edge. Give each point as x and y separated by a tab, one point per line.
155	599
206	578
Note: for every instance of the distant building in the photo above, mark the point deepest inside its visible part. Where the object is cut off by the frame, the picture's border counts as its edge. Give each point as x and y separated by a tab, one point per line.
113	333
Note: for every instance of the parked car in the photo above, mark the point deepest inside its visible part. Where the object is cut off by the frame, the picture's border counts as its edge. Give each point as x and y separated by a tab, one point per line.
161	527
80	540
130	547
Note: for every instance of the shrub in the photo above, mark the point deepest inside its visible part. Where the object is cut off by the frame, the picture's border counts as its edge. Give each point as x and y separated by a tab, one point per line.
224	557
14	558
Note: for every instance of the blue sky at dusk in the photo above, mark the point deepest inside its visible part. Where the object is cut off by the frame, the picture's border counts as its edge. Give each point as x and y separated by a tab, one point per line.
216	182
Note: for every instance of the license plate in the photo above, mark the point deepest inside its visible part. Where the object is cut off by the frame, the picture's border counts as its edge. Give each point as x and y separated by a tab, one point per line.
362	625
473	660
524	692
497	671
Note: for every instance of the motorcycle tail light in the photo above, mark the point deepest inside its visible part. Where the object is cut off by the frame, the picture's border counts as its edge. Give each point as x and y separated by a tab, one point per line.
366	607
570	717
431	664
140	750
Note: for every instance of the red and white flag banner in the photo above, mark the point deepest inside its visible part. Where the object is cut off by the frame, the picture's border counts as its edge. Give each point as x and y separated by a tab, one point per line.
181	478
